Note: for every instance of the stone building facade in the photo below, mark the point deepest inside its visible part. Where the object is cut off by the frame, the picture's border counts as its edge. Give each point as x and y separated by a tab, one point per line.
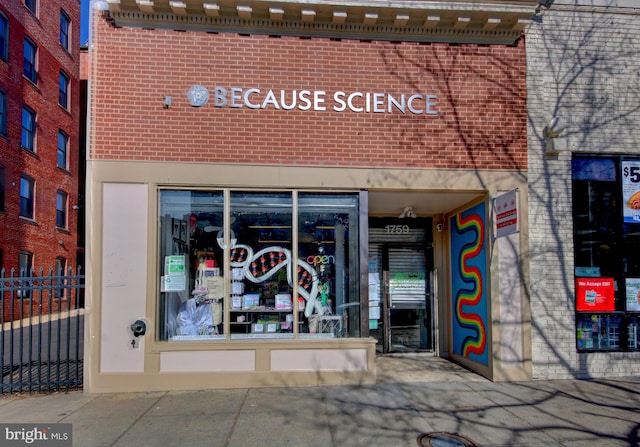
583	67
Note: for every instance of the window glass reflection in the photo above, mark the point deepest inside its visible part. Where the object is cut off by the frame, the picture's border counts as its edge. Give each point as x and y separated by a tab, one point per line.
192	286
261	259
327	244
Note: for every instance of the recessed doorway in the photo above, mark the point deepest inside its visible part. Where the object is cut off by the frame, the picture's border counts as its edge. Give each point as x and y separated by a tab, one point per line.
401	265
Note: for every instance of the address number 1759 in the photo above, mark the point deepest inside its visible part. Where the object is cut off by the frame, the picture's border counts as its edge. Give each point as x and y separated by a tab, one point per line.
397	229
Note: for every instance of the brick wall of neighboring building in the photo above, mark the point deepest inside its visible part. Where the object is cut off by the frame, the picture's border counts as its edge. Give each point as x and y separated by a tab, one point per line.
583	65
40	236
481	101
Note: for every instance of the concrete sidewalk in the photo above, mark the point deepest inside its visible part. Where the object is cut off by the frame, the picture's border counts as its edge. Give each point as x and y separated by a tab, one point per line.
392	413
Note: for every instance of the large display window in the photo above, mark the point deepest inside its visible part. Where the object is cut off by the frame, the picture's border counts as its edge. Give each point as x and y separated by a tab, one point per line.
328	243
192	288
606	218
265	265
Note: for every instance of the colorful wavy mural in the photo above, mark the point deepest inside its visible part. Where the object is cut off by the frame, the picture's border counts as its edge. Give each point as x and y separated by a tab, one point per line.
468	280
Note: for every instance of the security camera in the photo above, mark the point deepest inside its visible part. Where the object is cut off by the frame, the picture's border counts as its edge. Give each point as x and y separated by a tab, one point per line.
139	328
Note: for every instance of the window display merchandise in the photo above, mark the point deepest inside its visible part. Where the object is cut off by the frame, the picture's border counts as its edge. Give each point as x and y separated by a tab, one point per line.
280	265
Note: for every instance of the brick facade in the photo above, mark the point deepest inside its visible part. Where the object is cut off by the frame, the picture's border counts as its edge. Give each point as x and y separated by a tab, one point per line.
481	101
40	236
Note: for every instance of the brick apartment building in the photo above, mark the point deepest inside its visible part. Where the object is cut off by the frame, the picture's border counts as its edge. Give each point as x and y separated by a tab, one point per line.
279	191
39	128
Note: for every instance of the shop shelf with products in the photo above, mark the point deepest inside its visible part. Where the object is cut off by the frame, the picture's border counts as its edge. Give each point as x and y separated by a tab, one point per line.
599	331
260	309
237	288
265	322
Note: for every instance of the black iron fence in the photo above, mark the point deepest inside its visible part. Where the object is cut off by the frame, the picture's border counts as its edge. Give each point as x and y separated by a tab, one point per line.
42	319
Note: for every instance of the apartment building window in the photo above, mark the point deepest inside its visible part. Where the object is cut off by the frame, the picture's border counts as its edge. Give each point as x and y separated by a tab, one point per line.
63	149
4	37
30	59
3	113
27	199
25	266
65	25
61	209
2	187
60	268
32	5
28	129
63	94
25	263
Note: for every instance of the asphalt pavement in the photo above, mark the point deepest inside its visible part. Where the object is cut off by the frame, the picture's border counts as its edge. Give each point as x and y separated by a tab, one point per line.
417	401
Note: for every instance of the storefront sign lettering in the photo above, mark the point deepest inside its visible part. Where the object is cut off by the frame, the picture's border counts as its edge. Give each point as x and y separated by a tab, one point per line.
595	294
631	191
316	100
506	206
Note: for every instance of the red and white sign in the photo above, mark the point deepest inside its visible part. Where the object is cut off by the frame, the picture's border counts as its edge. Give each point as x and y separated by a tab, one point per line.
506	213
595	295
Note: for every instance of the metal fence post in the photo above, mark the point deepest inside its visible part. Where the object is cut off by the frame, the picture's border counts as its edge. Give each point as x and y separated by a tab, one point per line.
40	348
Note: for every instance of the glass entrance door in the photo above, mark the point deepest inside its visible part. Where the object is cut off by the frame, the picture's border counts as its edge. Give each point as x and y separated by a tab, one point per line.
400	271
407	301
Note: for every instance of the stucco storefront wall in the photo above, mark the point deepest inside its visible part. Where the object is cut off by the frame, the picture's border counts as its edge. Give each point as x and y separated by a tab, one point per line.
476	142
583	66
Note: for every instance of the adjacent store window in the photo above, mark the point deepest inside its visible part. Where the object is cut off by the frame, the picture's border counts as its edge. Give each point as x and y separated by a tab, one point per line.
606	210
29	66
247	265
65	26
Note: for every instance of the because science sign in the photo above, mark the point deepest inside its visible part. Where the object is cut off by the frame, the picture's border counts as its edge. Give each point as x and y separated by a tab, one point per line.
316	100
